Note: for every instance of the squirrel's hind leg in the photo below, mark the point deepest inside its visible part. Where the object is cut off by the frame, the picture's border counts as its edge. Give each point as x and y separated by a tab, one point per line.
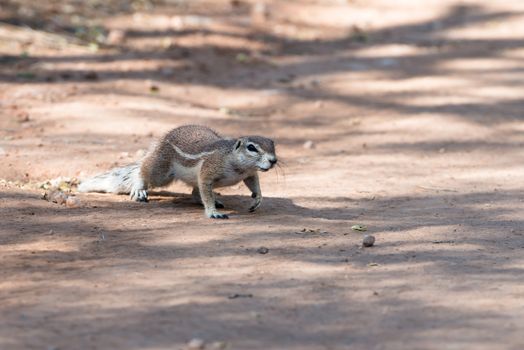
198	200
139	192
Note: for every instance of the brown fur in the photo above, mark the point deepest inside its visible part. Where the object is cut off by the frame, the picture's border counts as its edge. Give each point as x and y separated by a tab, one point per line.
222	161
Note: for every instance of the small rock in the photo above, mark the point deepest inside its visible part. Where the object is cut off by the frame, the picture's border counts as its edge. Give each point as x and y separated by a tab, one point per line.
116	36
60	198
359	227
23	117
56	196
167	43
72	202
368	241
225	110
308	144
152	86
196	344
140	153
262	250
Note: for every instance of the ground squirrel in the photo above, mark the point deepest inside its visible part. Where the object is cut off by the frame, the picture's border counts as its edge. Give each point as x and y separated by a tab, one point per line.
199	157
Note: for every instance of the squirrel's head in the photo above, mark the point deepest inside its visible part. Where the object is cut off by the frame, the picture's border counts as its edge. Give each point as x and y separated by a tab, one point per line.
256	152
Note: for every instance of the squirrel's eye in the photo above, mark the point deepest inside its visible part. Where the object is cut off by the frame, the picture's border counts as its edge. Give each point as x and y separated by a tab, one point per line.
252	148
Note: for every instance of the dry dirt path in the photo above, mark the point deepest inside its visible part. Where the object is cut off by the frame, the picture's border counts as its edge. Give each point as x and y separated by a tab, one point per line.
414	110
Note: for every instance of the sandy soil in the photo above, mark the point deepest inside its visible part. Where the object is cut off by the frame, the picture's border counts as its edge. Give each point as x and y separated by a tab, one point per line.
415	113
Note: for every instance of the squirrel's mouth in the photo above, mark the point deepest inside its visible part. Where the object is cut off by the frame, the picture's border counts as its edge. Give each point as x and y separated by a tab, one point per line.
264	169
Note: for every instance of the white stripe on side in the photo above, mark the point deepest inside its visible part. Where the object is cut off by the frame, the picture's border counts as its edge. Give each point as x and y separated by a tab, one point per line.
191	156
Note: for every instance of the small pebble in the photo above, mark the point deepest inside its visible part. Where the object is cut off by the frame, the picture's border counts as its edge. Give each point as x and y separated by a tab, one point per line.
152	86
140	153
56	196
359	227
116	36
262	250
72	202
308	144
368	241
196	344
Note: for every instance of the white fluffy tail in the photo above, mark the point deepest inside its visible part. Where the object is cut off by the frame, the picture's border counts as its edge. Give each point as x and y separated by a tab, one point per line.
118	180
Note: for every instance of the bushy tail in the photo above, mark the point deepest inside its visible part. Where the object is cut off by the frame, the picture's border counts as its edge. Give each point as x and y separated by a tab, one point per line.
117	180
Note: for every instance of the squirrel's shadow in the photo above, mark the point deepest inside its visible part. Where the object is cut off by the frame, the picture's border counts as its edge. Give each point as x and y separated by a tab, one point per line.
238	205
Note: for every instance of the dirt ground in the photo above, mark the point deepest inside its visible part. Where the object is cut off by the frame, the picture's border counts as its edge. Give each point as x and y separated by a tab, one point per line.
404	116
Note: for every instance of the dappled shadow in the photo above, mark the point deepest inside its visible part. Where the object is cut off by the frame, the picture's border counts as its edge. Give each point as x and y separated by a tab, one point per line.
458	211
213	312
213	64
118	274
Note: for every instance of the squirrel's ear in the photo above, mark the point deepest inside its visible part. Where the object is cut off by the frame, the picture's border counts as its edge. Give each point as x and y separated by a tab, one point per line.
238	143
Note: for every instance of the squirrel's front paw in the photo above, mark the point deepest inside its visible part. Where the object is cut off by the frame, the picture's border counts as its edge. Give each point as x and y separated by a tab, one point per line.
256	203
216	215
139	195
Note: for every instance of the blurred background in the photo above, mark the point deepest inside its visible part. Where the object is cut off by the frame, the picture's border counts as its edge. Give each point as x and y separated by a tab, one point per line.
95	74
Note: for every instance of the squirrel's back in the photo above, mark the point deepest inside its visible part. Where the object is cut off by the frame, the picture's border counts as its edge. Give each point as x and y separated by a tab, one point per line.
191	139
184	146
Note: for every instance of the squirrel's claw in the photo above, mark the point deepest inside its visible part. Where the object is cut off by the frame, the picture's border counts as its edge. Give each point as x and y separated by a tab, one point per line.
213	214
219	216
257	202
139	196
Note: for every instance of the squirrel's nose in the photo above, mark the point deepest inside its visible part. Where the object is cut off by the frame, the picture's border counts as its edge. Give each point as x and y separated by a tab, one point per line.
273	161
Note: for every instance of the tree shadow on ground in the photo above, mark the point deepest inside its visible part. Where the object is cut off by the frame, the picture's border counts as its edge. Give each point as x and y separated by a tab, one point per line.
206	305
328	291
213	65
